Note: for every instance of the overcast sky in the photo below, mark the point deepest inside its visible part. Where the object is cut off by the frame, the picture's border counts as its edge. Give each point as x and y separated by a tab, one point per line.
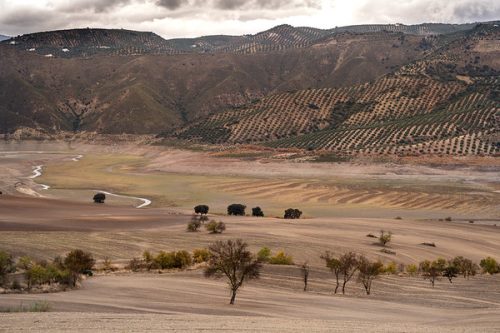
190	18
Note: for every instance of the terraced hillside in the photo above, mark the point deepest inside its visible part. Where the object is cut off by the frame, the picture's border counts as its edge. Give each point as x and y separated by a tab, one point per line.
446	103
157	93
91	42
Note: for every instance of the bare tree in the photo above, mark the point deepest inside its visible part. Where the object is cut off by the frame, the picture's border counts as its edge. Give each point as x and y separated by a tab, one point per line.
305	273
232	260
349	266
368	271
335	267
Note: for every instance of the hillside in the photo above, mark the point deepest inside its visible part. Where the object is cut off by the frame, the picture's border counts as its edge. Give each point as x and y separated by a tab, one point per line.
445	103
2	37
91	42
376	89
157	93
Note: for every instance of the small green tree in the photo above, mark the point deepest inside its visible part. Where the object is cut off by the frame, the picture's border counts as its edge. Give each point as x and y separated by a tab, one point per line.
200	256
257	211
432	270
99	198
412	269
264	254
450	271
215	227
292	213
201	209
183	259
489	265
165	260
6	266
78	262
465	266
232	260
384	237
335	267
236	209
368	271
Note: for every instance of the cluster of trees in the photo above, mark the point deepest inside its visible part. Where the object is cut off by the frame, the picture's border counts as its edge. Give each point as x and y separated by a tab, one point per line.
63	270
239	210
168	260
450	269
345	267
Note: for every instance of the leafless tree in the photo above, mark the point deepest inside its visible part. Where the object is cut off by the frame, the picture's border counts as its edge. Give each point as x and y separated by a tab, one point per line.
305	273
232	260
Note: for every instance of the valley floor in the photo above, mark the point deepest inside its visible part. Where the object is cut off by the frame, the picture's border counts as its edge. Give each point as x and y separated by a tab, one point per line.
45	223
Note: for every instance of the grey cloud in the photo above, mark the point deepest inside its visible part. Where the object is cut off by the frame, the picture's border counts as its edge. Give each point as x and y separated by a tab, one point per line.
410	11
265	4
97	6
172	4
477	11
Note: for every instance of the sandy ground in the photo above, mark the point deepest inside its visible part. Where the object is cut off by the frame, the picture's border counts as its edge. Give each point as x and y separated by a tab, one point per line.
53	222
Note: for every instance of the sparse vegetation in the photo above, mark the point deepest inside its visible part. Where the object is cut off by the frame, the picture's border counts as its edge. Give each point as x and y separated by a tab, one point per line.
200	255
38	306
215	227
194	224
281	258
384	238
232	260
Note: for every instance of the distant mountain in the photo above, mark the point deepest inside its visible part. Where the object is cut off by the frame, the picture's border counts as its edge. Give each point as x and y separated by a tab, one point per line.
2	37
91	42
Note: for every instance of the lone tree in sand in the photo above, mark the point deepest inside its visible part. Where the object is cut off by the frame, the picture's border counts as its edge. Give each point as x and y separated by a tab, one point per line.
78	262
257	211
305	273
334	265
201	209
99	198
232	260
368	271
236	209
384	238
292	213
